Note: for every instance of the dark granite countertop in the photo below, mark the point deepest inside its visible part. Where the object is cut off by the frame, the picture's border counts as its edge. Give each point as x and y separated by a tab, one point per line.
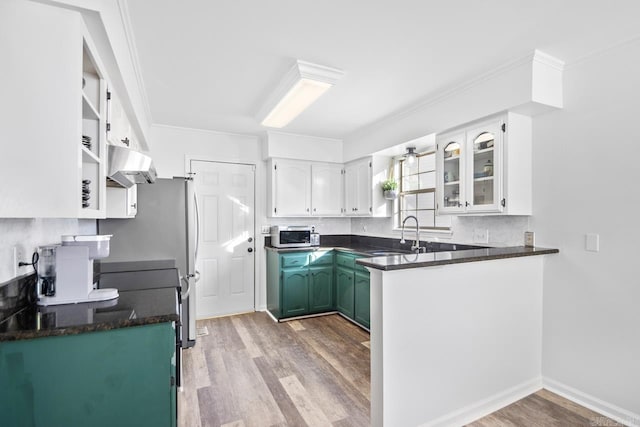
401	257
400	262
132	308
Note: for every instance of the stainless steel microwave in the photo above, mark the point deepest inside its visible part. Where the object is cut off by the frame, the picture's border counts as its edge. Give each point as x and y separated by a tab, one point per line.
291	236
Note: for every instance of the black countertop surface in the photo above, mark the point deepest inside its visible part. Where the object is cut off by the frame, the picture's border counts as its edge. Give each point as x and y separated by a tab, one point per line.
135	306
401	257
404	261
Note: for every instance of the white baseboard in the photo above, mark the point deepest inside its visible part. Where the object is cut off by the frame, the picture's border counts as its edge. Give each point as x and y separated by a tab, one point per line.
486	406
607	409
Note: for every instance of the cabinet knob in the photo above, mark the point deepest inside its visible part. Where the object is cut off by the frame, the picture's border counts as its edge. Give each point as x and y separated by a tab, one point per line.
134	205
466	204
314	209
250	250
307	209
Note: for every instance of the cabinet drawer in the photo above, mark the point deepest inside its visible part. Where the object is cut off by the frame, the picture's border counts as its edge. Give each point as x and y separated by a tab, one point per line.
321	258
294	260
344	260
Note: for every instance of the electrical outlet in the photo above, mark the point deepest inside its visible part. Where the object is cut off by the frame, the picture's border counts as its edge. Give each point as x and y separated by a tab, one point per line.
592	242
265	229
481	235
18	256
529	239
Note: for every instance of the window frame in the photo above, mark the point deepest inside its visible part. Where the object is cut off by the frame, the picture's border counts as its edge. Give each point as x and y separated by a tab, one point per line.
401	193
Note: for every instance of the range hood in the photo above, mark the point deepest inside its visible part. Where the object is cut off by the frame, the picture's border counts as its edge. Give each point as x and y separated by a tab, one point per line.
128	167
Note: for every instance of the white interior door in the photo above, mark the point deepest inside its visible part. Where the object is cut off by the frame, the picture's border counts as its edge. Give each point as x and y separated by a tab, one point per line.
226	253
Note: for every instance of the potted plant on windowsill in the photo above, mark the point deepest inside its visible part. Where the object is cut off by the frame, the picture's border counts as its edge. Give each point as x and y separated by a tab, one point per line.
390	189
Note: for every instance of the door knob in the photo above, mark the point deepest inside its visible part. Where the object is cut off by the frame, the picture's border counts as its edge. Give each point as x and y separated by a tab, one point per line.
250	250
250	239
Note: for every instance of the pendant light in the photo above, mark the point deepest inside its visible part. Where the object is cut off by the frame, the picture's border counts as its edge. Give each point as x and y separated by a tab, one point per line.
410	156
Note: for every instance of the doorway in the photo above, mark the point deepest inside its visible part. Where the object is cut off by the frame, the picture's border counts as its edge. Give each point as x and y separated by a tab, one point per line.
226	257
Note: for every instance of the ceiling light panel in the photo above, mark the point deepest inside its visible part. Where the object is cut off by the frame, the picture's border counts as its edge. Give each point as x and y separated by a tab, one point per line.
301	86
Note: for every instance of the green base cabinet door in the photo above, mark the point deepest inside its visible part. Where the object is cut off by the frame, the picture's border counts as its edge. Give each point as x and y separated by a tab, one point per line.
295	292
362	299
345	291
119	377
320	289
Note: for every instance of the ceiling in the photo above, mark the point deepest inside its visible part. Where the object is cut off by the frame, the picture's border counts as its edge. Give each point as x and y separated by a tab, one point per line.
210	64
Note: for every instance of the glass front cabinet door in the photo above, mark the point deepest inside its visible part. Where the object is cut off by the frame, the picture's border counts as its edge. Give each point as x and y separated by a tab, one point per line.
451	174
469	169
484	143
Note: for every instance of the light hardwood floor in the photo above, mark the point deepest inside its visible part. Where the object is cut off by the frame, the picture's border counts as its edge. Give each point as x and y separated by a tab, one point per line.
250	371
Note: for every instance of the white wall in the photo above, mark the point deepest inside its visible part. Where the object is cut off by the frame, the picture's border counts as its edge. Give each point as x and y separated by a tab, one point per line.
29	233
586	181
171	145
302	147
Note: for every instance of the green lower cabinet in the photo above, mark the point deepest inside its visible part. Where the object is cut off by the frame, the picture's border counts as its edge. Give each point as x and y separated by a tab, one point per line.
295	292
120	377
344	291
362	306
320	289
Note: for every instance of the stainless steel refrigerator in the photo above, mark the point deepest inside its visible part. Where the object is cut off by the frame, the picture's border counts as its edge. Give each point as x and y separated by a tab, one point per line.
165	227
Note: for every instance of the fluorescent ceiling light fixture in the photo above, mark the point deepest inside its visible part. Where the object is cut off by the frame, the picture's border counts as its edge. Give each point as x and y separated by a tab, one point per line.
301	86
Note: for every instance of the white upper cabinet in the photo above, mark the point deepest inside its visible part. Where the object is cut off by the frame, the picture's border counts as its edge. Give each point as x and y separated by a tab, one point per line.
363	191
486	167
122	202
327	186
358	188
290	188
47	109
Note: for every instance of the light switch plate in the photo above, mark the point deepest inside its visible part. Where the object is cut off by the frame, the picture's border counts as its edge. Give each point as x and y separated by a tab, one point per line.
265	229
529	239
592	242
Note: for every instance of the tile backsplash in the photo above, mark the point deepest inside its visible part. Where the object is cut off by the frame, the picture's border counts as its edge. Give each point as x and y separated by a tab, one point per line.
502	230
29	233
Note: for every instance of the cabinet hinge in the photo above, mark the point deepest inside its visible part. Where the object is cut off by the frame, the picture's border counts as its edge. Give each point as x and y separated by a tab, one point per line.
504	127
108	95
108	127
503	202
275	210
370	209
369	164
173	381
275	167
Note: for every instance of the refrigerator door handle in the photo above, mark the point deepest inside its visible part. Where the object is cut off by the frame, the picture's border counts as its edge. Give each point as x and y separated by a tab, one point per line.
195	261
185	280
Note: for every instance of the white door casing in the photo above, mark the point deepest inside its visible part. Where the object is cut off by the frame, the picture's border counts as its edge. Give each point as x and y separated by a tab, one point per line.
226	195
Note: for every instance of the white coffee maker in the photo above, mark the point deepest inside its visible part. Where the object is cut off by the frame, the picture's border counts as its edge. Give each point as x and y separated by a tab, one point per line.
66	271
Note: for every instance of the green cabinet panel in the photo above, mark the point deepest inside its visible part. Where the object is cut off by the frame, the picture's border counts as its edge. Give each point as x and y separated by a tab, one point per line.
362	303
120	377
345	260
321	258
274	293
344	291
298	259
320	289
295	292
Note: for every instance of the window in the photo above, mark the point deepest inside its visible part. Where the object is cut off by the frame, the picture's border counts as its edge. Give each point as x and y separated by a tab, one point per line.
417	194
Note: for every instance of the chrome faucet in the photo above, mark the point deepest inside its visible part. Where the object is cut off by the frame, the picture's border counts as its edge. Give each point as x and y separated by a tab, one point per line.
416	244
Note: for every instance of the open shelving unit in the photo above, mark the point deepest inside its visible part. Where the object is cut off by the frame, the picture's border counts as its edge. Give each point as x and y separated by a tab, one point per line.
93	158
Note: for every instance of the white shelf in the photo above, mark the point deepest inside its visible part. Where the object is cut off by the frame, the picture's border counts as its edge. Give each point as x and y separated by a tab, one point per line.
446	159
452	183
88	110
486	150
484	178
88	156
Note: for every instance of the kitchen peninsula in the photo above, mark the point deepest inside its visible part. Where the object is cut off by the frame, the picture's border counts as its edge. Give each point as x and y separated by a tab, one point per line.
454	335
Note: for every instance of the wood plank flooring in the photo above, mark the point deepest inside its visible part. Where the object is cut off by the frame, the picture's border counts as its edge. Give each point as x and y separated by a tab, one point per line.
250	371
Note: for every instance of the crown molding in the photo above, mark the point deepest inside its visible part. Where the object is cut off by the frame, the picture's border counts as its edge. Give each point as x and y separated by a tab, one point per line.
548	60
215	132
125	17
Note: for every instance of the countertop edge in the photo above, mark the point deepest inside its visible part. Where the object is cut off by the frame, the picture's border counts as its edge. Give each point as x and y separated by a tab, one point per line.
81	329
538	251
